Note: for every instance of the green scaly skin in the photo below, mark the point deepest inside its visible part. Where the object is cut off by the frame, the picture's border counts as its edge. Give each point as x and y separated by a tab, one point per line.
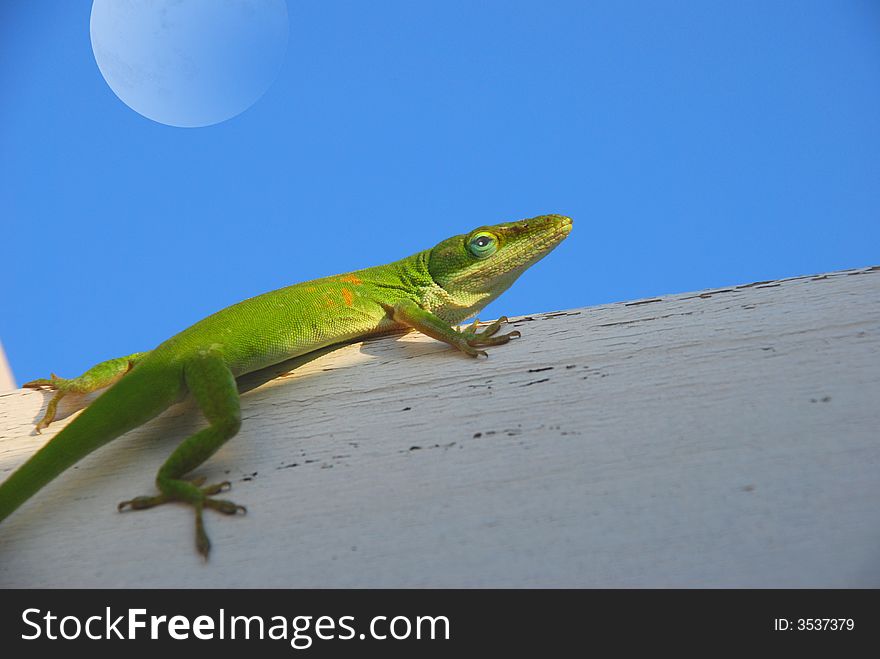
431	291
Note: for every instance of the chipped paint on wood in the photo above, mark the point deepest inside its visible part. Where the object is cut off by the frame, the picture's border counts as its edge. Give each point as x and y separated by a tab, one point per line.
716	438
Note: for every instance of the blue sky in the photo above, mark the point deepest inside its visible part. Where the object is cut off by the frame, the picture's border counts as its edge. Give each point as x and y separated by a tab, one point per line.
696	144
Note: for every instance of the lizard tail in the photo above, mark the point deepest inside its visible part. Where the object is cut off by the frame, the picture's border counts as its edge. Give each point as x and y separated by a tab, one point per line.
134	400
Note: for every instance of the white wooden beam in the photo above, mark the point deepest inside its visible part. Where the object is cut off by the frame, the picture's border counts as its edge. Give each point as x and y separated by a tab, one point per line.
720	438
7	381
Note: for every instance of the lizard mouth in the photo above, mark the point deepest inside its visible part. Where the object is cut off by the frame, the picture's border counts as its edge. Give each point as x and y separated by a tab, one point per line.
558	229
531	240
521	244
565	224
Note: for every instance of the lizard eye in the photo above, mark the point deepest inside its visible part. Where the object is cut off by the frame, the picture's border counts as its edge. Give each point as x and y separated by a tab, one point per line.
482	244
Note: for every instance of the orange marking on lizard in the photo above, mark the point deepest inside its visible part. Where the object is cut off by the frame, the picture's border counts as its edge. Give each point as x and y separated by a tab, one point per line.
348	296
351	279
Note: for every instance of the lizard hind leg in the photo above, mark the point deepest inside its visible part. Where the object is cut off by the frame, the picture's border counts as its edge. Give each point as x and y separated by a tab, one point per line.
213	386
97	377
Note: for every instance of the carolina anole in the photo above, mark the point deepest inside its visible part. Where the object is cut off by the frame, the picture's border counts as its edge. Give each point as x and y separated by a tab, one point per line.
431	291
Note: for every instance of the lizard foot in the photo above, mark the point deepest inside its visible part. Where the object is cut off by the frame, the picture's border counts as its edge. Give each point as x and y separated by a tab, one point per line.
488	337
99	376
192	493
60	386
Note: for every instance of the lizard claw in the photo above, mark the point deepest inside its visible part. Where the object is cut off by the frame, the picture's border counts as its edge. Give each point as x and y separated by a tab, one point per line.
192	493
488	337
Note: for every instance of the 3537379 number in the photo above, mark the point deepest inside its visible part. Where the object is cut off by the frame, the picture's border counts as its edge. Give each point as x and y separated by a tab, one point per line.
814	624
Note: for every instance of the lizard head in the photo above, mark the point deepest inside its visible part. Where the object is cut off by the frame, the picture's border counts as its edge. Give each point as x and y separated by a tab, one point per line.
477	267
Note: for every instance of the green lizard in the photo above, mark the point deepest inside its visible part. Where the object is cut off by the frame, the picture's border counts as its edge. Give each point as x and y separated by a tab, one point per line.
430	291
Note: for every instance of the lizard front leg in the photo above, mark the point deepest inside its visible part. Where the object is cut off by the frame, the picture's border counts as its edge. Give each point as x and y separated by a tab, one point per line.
412	315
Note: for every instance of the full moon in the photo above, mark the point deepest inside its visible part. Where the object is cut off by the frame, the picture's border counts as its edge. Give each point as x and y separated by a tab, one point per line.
189	63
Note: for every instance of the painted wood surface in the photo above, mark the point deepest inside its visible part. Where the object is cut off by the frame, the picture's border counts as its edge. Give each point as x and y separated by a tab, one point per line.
7	381
722	438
